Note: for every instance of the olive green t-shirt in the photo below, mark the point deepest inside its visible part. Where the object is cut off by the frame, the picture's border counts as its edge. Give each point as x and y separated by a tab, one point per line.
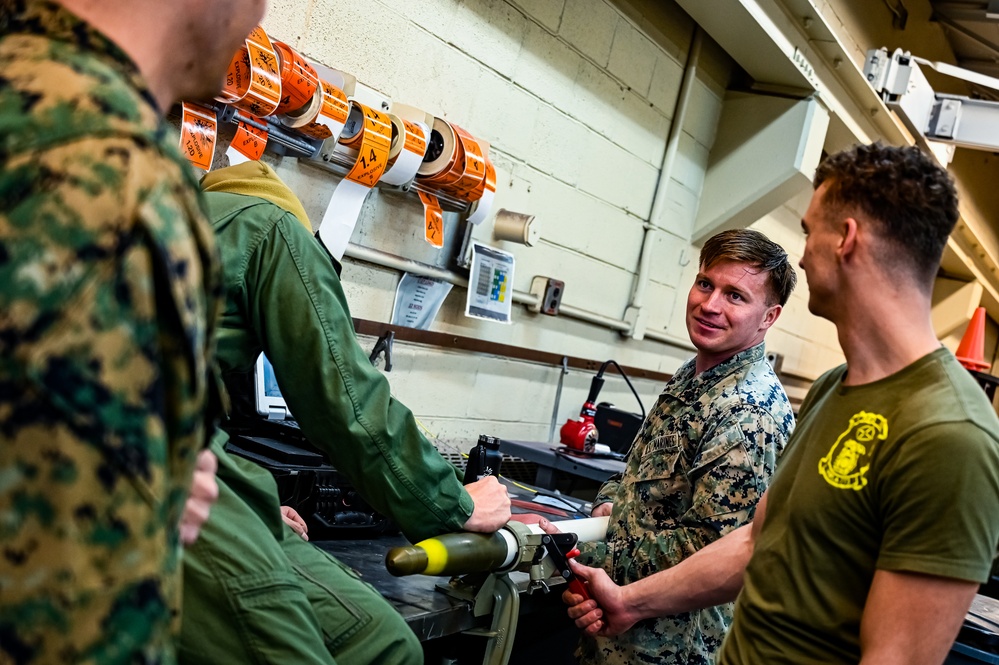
901	474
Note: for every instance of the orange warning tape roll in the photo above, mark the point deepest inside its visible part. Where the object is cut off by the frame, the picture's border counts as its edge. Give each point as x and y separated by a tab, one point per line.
407	136
253	81
457	164
324	116
299	80
370	133
474	174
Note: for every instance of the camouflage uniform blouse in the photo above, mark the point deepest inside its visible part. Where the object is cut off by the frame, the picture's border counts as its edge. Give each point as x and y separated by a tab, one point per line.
701	462
108	294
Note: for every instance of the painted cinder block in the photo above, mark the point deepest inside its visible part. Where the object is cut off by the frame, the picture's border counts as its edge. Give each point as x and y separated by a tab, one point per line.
690	164
559	145
677	215
705	109
665	86
490	31
618	176
547	67
670	254
286	20
547	13
505	115
633	58
576	220
589	25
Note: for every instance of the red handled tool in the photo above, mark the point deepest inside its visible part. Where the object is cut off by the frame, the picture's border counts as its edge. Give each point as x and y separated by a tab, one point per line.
561	547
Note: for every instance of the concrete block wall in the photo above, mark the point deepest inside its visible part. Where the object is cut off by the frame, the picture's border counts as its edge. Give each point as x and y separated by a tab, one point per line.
576	101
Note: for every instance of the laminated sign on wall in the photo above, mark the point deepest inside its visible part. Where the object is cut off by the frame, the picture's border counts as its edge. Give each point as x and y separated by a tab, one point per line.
417	301
490	284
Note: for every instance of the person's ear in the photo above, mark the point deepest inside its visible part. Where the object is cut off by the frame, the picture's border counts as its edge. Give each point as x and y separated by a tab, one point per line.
848	230
770	316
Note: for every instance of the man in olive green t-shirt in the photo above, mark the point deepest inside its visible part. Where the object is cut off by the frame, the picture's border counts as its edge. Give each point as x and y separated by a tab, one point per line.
884	514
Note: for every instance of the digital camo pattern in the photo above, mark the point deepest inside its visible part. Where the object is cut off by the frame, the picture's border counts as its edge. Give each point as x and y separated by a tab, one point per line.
702	460
108	285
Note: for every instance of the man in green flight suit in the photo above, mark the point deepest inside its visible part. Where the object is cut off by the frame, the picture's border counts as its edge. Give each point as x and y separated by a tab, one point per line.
254	590
108	298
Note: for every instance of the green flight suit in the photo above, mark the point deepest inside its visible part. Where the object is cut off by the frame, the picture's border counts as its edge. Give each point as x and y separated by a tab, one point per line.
284	297
108	299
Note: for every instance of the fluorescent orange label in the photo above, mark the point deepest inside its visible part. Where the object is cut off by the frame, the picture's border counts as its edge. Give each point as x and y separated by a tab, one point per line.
253	81
474	170
299	80
487	184
433	219
372	155
416	140
199	129
237	77
249	141
334	111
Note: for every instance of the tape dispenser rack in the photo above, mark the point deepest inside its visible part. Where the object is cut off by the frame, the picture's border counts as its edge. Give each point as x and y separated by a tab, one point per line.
281	101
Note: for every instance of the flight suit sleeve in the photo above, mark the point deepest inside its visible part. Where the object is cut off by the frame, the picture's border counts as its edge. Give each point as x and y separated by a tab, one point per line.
293	298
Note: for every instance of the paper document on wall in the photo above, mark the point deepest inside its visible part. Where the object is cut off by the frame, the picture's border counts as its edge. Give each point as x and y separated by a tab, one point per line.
417	301
490	284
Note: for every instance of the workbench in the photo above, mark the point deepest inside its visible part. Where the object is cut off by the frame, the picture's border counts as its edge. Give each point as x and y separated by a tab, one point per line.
440	621
552	459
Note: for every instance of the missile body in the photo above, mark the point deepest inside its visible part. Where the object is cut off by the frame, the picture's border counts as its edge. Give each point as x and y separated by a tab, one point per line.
465	552
450	554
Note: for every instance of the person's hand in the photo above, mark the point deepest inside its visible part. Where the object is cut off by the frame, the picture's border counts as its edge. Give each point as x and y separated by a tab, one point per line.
295	521
605	614
547	526
603	510
204	492
527	518
492	505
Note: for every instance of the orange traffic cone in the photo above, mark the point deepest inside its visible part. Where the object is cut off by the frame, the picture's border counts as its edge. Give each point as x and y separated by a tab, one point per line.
971	350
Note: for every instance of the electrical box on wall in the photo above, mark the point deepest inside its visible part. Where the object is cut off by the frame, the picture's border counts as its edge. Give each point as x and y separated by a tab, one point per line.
549	294
776	360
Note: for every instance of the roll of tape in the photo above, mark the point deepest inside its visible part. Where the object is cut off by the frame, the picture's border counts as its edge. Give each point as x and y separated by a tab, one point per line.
247	145
299	80
442	152
198	133
325	115
485	203
515	227
455	163
253	81
372	141
469	186
409	145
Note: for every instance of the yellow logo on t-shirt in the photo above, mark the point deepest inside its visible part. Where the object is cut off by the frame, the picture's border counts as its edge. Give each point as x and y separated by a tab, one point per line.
848	460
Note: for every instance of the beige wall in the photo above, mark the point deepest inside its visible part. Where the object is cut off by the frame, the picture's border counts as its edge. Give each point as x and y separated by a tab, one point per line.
577	102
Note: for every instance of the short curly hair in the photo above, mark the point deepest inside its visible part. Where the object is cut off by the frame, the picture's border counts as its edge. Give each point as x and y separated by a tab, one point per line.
910	198
757	250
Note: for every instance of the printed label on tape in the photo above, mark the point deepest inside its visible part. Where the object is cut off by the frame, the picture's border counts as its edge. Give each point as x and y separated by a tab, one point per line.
199	130
433	219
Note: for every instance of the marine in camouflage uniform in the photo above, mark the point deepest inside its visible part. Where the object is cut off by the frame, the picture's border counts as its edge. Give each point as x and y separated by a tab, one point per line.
108	291
703	459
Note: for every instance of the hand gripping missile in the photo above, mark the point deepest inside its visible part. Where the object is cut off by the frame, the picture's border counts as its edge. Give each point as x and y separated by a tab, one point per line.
514	547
